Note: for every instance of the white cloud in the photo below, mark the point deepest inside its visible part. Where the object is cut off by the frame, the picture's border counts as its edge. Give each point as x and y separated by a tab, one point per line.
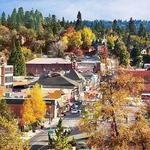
90	9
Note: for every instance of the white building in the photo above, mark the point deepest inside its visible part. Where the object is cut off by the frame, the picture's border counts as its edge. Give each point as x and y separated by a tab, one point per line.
6	75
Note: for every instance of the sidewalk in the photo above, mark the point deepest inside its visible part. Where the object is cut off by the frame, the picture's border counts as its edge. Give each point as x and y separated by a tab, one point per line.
30	134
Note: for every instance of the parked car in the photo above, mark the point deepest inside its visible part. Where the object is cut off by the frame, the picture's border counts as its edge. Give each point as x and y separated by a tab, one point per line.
82	146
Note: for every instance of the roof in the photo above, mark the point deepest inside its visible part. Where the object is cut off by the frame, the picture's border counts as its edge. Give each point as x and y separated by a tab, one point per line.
55	80
56	94
73	75
49	61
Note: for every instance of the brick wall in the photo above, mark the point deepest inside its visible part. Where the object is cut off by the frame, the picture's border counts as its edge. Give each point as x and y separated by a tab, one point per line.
39	68
17	110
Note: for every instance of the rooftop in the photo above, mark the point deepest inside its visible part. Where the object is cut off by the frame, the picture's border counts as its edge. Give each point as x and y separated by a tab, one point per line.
49	61
55	80
73	75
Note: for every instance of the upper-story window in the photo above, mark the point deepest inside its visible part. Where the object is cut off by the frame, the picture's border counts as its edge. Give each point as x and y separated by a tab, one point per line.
8	70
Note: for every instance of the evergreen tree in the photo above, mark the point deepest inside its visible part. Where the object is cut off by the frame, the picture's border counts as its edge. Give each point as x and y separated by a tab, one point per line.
63	22
142	31
29	19
21	14
136	56
99	30
78	25
20	60
114	25
9	21
11	60
61	141
17	59
128	42
3	19
14	18
132	27
20	17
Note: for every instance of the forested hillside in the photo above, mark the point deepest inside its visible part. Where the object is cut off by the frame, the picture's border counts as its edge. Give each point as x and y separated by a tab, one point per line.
38	35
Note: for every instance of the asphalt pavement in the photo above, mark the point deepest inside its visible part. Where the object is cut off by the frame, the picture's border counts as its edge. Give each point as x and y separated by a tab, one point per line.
40	141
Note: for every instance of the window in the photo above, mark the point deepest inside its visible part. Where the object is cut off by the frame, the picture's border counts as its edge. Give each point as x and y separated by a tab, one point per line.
8	79
8	70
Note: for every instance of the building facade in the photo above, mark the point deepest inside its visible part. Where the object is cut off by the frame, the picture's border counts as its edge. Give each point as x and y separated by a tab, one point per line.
16	107
6	75
37	66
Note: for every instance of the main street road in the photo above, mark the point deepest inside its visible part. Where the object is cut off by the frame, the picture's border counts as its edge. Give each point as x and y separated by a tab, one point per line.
40	141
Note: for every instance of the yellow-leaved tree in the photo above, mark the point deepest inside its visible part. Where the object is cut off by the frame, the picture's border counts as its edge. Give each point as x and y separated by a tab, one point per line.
73	40
10	138
87	37
37	101
34	107
112	123
28	114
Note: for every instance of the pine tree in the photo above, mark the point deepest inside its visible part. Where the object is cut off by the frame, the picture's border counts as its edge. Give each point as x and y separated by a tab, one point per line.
20	60
136	56
63	22
21	14
99	30
9	21
17	59
14	18
142	31
20	17
11	60
3	19
114	25
78	25
61	141
132	27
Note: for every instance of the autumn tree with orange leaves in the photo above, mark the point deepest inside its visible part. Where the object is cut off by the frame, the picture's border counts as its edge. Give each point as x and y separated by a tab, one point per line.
34	108
111	122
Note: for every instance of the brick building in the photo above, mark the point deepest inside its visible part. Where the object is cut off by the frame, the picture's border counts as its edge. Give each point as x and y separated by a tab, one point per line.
37	66
144	74
88	65
16	107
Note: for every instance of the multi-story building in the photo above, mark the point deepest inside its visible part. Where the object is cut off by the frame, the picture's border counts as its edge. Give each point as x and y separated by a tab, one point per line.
37	66
6	74
88	65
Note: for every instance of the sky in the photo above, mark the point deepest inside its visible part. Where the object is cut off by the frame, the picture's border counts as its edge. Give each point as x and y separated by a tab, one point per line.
90	9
